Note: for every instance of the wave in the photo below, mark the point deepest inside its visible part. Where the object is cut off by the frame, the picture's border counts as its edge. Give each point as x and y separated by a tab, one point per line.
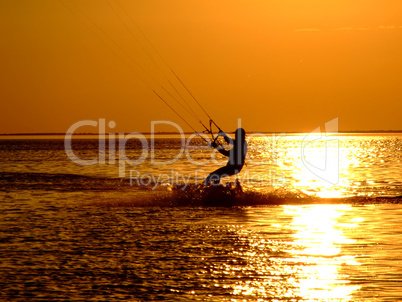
233	196
178	195
59	182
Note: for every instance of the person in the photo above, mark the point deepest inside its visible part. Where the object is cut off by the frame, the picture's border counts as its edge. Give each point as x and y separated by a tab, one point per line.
237	156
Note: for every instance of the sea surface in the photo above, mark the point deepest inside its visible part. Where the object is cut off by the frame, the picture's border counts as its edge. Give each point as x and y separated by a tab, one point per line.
312	219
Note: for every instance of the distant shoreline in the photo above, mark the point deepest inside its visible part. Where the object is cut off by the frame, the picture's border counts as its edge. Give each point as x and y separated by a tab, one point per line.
188	133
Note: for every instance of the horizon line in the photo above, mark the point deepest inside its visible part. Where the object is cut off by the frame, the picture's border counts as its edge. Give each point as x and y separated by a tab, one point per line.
192	132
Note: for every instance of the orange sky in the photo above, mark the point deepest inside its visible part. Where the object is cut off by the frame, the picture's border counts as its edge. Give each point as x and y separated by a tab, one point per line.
280	65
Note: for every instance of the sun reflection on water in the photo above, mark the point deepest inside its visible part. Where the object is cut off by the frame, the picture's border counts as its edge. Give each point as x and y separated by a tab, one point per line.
300	258
318	244
341	166
321	168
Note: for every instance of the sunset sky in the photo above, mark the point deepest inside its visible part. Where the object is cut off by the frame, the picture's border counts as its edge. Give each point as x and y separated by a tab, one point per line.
280	65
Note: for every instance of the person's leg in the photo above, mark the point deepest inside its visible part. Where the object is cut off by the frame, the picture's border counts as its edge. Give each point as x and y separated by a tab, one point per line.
216	176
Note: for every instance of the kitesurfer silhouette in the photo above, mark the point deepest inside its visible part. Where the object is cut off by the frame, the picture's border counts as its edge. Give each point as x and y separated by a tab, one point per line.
237	156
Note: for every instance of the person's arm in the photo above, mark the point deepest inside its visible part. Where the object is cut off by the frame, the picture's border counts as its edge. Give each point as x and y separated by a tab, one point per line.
227	138
220	149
